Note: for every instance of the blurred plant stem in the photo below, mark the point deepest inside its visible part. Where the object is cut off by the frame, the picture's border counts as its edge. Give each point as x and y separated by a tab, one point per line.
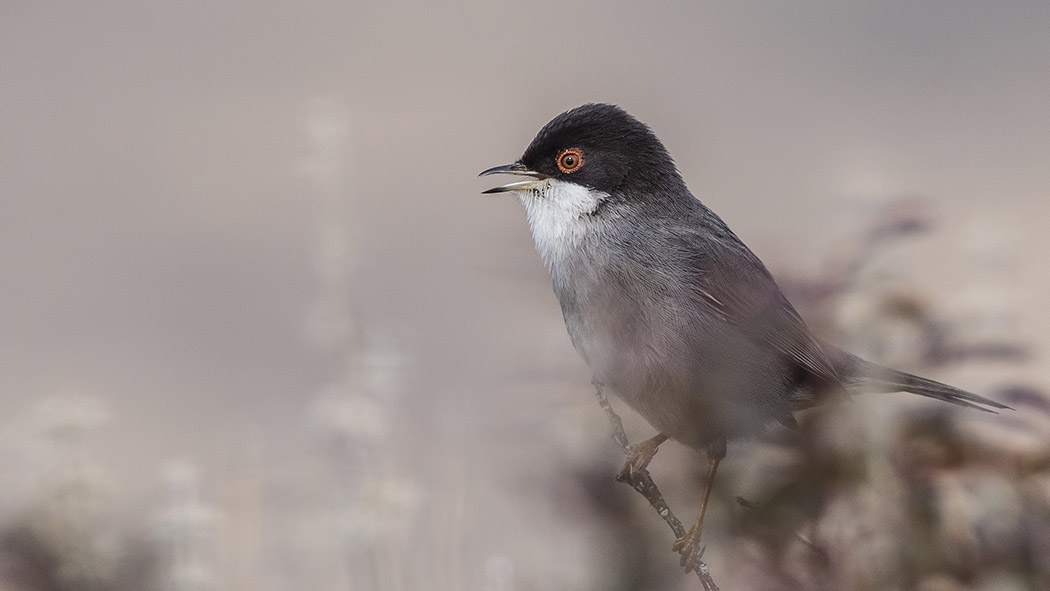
641	481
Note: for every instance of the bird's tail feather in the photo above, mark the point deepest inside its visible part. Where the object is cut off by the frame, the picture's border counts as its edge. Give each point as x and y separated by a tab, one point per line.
860	375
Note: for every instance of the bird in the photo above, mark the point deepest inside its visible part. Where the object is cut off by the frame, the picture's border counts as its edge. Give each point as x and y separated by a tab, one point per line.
667	306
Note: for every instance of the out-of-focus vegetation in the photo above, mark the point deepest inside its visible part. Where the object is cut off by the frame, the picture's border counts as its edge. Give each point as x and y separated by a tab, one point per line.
876	492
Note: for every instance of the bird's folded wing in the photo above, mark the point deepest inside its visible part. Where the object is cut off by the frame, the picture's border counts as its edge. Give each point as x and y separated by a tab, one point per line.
742	292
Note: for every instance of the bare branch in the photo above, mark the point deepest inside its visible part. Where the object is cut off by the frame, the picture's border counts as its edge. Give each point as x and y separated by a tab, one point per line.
643	483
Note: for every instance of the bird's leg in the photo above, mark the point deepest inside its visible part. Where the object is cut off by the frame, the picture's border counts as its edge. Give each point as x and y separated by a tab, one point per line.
639	457
689	544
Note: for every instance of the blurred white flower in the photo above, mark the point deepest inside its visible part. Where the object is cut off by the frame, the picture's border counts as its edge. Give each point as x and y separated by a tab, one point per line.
187	529
68	416
385	509
356	418
383	361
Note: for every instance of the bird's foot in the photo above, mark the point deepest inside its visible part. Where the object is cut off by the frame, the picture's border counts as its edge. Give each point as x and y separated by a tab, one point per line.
690	549
638	458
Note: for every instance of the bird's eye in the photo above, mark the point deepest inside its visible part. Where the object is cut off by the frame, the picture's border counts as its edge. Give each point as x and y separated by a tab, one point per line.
570	160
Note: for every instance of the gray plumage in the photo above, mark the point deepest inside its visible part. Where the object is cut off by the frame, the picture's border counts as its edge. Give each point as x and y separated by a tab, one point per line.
667	306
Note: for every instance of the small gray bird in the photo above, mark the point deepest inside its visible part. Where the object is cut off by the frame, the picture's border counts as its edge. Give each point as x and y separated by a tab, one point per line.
666	305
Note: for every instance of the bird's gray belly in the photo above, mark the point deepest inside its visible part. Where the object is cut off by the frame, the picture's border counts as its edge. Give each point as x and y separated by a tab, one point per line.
690	377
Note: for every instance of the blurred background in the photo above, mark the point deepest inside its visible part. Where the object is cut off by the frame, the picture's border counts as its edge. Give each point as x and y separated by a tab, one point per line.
261	331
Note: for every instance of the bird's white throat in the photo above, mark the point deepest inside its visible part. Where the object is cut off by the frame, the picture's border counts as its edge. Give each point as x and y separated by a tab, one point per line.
557	213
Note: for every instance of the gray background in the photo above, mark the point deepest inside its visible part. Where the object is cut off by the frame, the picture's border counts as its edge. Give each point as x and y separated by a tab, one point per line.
196	196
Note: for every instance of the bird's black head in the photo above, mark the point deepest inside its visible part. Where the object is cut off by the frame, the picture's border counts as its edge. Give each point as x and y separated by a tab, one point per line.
600	147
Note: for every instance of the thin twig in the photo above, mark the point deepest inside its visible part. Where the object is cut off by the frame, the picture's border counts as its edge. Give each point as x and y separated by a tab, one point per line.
642	482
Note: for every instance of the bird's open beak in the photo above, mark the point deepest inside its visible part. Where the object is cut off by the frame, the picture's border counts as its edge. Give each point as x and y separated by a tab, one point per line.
519	169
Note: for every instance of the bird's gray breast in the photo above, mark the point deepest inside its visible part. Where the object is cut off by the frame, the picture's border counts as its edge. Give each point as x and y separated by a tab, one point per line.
630	328
635	319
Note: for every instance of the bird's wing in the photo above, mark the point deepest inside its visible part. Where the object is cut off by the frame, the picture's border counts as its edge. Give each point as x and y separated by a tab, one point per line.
739	289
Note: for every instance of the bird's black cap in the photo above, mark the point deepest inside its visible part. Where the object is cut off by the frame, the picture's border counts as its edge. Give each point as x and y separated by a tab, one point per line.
620	154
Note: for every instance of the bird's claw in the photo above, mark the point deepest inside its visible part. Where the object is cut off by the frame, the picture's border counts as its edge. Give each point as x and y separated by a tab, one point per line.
638	459
690	549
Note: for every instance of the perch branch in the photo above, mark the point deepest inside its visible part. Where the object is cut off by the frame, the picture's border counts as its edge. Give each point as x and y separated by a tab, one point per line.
643	483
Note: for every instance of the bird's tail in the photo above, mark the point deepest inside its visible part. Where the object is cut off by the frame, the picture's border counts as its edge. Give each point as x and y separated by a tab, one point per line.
859	375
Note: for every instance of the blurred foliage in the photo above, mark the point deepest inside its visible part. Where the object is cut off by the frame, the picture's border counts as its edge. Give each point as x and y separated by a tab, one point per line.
876	492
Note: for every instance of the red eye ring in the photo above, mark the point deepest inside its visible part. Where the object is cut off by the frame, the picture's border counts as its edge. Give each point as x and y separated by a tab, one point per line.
570	160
